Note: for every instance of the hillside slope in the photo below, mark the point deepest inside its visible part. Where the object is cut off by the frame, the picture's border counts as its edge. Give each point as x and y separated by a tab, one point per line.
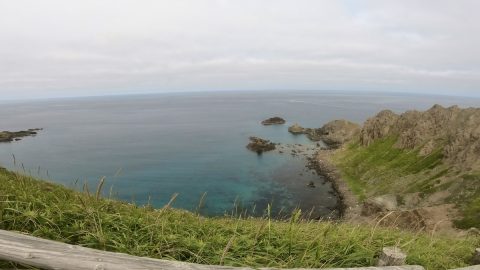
425	160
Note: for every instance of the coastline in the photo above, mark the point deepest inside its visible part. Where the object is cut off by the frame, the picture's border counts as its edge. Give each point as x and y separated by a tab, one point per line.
308	154
318	159
349	205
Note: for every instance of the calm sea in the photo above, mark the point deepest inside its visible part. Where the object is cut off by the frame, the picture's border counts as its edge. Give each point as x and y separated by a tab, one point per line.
150	147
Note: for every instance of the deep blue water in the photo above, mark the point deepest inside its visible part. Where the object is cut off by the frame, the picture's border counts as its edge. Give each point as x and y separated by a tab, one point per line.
152	146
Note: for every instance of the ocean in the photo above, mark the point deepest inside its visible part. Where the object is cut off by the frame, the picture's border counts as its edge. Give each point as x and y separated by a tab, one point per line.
150	147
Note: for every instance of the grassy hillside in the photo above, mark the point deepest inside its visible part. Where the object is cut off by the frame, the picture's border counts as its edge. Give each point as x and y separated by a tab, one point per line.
382	168
54	212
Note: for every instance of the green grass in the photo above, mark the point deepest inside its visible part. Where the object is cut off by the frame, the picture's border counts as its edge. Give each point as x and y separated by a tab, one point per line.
383	154
382	168
51	211
470	209
471	212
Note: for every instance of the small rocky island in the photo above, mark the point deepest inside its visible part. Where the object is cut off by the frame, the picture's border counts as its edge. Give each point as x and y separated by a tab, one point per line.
273	121
296	129
260	145
9	136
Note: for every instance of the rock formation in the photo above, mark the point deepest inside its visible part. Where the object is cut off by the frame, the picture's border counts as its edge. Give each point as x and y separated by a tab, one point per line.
436	176
334	133
8	136
273	121
296	129
260	145
380	204
377	127
455	130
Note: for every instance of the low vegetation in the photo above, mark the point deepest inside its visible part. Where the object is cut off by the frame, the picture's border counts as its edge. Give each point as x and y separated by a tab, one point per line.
381	168
51	211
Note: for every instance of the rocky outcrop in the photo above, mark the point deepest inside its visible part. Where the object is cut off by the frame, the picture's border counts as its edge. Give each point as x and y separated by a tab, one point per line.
380	204
8	136
260	145
453	130
296	129
432	218
273	121
377	127
335	133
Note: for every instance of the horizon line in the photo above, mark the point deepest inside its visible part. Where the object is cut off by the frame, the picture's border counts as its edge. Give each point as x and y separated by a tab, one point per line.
412	93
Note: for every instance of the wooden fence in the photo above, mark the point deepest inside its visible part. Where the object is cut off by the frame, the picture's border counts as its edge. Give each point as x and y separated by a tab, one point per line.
47	254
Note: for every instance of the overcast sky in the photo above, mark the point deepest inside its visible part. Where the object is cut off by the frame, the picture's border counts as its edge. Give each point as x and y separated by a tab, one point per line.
54	48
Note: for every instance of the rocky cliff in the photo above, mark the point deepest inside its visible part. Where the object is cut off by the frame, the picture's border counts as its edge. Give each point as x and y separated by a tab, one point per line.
454	130
428	161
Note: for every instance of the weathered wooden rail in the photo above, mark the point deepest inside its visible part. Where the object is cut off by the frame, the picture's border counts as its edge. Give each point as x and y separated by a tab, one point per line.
47	254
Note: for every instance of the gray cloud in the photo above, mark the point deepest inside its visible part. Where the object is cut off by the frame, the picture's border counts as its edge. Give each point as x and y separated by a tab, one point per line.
88	47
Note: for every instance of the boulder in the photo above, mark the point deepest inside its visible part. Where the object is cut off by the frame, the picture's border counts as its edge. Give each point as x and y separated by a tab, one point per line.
379	204
392	256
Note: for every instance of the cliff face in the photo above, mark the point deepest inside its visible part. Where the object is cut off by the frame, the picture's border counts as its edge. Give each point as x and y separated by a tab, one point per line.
455	130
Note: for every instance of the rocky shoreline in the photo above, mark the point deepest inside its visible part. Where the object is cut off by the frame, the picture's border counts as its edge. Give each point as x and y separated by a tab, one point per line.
349	204
310	154
317	157
349	208
390	208
329	137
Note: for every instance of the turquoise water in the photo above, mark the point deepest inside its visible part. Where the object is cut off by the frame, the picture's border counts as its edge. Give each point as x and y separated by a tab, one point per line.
150	147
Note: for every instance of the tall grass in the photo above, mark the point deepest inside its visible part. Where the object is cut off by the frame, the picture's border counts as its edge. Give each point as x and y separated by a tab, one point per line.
51	211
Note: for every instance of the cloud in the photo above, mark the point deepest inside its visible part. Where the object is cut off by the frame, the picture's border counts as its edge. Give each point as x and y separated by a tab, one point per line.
69	48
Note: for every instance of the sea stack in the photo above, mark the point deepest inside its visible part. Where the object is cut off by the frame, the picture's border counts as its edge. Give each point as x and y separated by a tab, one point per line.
260	145
273	121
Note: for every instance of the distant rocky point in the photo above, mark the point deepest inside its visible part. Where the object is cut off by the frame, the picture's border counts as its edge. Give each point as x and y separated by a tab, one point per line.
9	136
260	145
333	134
273	121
